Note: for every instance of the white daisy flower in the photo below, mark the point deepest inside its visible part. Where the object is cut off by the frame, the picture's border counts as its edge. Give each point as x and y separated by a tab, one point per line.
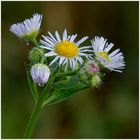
40	74
113	61
29	28
65	50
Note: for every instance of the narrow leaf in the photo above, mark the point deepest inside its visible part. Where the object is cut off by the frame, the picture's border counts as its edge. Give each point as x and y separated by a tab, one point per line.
45	93
32	85
68	83
62	95
65	84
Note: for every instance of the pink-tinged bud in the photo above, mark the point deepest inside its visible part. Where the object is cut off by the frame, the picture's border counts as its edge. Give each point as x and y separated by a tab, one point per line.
93	68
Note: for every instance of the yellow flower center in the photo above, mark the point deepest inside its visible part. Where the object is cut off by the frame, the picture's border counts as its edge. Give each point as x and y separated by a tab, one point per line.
104	56
66	48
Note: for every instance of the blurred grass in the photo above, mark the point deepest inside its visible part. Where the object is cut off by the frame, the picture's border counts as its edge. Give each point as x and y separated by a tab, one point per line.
108	112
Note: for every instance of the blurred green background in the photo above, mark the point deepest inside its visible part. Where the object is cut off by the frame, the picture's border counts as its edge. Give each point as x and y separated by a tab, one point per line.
110	111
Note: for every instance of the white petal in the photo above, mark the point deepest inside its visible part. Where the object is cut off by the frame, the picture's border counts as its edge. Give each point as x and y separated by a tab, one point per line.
70	60
65	35
85	47
45	47
81	40
68	37
102	43
117	56
73	63
79	59
108	48
61	60
52	53
54	60
98	44
46	44
114	52
47	39
73	37
65	61
52	37
95	47
83	54
91	57
86	50
57	36
115	70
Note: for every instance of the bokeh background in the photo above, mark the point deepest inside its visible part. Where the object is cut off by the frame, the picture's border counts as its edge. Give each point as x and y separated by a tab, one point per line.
110	111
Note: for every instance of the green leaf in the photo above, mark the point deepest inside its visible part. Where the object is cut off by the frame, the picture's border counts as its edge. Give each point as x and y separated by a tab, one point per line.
46	91
68	83
32	85
69	73
61	95
65	84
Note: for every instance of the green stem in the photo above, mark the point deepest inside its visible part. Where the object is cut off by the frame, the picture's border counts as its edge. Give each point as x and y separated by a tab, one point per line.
43	59
32	122
36	96
33	86
47	88
34	42
37	109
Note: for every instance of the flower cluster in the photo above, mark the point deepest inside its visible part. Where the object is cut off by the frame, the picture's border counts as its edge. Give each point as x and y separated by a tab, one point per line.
62	55
59	66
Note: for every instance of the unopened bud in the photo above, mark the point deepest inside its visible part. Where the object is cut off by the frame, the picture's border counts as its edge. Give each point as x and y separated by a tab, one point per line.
35	55
95	81
40	74
92	67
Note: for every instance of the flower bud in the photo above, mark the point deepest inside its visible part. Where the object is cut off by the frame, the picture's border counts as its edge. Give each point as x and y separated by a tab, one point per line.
83	75
35	55
92	67
40	74
95	81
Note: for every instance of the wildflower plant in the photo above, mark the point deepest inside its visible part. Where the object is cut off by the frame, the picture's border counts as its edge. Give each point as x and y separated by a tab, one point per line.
60	66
